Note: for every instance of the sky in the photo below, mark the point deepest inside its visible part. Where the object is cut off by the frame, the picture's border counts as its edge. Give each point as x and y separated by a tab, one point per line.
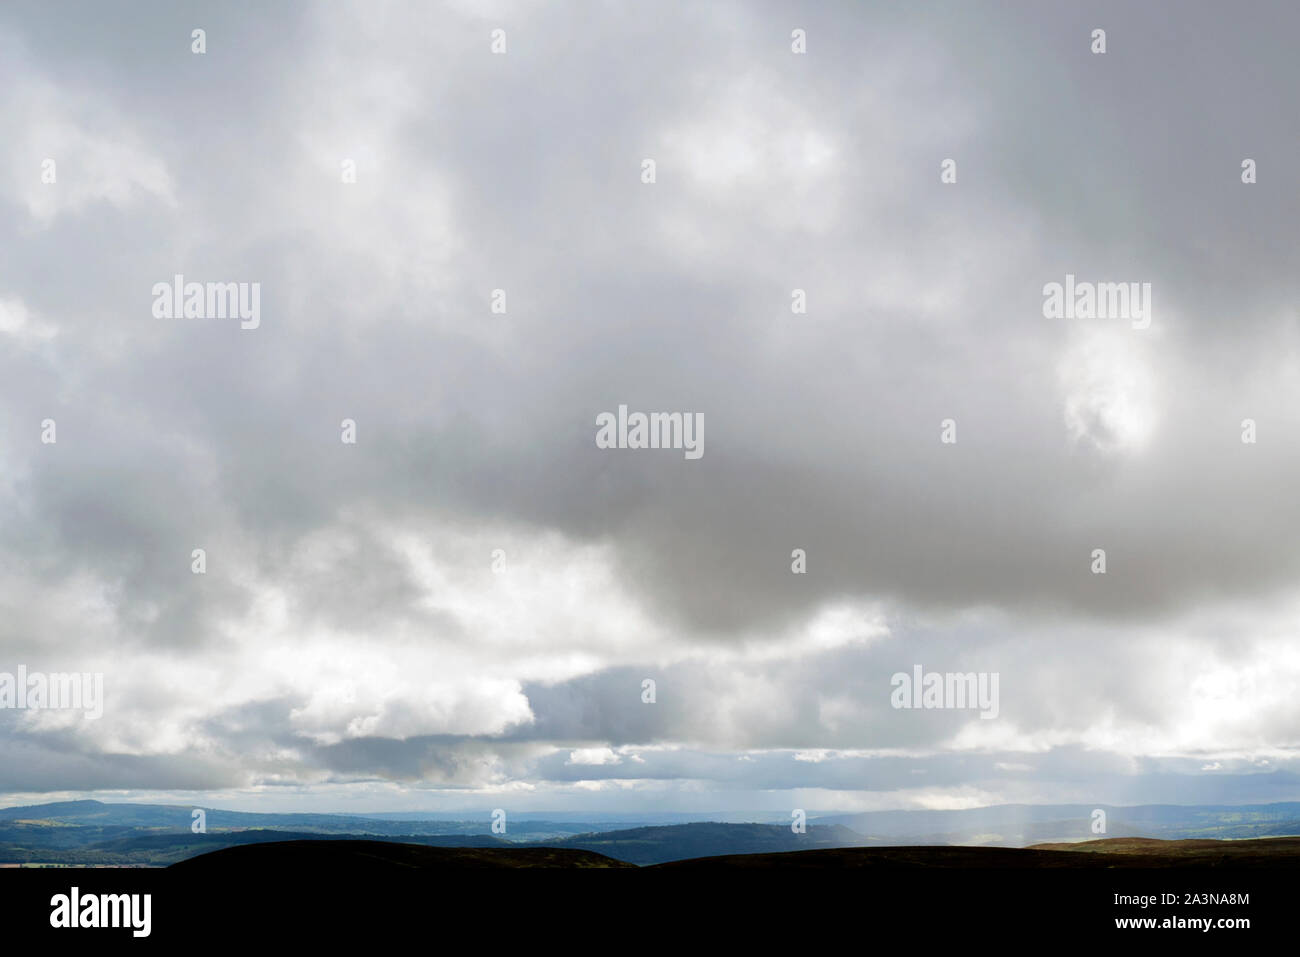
459	609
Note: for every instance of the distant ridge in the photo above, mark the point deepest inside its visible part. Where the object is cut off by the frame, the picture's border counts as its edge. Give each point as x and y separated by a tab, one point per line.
89	832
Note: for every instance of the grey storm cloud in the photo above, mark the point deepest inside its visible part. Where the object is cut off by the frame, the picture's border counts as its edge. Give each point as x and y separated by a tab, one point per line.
349	626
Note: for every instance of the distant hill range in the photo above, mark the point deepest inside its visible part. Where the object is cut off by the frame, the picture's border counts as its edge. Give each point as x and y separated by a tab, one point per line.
1022	825
99	814
92	832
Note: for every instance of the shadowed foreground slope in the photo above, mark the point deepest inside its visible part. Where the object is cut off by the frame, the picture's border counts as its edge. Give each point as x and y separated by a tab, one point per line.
1145	853
678	842
323	857
319	858
1266	852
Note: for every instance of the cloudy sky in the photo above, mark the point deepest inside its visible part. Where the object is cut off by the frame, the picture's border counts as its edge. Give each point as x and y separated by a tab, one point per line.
355	645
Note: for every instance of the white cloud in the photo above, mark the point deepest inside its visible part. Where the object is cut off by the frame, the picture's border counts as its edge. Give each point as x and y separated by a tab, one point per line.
595	756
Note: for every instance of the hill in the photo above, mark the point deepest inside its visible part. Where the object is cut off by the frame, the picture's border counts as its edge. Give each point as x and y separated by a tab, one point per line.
1253	854
151	849
1263	852
656	845
325	859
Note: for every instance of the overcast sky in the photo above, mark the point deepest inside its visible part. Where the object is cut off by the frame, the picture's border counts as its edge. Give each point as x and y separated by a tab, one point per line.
351	645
